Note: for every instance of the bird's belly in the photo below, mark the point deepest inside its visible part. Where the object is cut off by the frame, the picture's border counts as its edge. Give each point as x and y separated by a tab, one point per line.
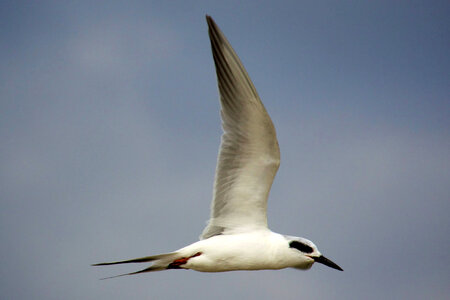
241	256
225	264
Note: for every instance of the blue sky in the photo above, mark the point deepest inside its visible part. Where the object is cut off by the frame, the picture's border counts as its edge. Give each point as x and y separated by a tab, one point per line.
110	129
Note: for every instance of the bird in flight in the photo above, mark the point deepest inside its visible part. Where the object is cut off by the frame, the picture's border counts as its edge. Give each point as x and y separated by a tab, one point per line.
237	236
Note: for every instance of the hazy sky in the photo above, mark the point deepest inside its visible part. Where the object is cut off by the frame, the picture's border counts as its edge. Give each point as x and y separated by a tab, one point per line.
109	130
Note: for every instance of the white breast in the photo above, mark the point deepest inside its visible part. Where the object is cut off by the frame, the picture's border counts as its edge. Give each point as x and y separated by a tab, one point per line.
257	250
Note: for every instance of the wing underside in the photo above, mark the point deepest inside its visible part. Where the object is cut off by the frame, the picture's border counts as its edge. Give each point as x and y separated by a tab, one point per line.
249	155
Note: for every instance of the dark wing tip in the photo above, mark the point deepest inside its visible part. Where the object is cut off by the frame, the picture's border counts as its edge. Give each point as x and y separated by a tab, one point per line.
211	24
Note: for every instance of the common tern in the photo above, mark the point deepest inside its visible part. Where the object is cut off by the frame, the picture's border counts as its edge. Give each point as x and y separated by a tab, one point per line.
237	236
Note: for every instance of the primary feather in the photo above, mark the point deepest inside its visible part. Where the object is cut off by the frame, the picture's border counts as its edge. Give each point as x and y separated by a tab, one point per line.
249	155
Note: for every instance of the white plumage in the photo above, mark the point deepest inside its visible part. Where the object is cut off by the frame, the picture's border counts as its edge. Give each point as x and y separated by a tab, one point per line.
249	155
237	236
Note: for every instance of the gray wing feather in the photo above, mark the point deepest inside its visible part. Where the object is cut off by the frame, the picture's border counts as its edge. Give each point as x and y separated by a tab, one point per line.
249	155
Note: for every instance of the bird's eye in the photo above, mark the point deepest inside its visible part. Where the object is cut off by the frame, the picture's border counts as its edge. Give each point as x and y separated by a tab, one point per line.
301	247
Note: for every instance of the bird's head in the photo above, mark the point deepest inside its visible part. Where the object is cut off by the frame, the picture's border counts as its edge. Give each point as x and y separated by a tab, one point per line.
309	253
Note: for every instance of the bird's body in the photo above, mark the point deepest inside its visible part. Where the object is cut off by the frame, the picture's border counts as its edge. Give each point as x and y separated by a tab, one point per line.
237	236
255	250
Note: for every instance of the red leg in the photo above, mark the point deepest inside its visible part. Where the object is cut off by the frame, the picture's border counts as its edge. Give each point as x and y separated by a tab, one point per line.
181	261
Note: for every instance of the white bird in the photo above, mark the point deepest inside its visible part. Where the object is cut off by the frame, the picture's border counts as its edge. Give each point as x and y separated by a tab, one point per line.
237	236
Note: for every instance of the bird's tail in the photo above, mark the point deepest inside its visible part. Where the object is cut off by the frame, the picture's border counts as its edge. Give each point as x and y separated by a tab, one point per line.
160	262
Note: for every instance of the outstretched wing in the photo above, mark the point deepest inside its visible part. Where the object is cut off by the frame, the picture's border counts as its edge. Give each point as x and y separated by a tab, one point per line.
249	155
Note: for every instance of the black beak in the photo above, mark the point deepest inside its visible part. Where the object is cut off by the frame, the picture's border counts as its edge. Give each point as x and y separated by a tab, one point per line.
323	260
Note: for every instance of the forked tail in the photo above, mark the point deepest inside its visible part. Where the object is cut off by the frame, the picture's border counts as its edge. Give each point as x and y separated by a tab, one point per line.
160	262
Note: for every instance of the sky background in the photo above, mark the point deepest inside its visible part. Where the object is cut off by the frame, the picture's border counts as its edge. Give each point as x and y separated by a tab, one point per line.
109	130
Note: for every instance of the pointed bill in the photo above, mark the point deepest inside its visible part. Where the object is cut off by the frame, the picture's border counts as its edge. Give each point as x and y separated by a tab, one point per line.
323	260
